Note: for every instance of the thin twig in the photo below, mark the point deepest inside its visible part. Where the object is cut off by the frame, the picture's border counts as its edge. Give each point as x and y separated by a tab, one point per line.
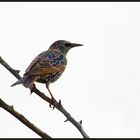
58	105
14	72
21	118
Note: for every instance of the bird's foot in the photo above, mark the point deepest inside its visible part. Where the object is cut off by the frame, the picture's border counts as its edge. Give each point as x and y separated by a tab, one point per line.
51	105
32	89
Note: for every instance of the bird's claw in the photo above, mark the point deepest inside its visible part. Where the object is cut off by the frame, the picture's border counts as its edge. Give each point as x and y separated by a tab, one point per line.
51	105
32	89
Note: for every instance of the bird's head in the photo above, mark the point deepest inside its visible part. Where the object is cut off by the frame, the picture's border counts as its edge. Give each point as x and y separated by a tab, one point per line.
63	46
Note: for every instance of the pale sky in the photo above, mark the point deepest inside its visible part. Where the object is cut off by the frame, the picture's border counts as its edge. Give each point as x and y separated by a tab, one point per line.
101	83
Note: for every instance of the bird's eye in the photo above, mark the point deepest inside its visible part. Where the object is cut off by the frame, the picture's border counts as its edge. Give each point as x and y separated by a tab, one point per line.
68	44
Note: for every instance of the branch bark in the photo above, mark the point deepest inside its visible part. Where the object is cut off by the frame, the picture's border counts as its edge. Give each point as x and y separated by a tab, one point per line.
58	105
21	118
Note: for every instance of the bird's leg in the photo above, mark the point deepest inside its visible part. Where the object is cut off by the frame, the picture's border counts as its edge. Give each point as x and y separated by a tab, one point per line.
52	98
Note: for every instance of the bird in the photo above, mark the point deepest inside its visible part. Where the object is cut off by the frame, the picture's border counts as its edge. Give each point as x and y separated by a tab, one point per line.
48	66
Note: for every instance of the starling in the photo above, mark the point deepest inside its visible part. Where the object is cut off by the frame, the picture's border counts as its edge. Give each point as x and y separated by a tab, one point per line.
48	66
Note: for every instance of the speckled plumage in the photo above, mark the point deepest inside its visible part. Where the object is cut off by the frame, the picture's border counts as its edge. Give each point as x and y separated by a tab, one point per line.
48	66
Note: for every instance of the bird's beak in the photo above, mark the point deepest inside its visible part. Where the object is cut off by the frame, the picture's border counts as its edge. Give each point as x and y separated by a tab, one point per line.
76	45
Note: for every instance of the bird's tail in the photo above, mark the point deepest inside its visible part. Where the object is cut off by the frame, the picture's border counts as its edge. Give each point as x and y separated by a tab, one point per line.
27	81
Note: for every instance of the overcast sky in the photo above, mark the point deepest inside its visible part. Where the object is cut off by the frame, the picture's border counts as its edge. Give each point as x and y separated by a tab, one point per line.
101	83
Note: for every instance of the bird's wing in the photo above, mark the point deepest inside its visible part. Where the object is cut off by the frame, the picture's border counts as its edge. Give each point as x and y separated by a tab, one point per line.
43	66
32	65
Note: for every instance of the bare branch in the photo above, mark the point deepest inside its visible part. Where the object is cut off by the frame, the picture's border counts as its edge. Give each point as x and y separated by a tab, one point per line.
14	72
21	118
58	105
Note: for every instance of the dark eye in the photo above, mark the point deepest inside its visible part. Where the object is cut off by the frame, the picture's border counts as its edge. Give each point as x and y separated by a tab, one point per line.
68	44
